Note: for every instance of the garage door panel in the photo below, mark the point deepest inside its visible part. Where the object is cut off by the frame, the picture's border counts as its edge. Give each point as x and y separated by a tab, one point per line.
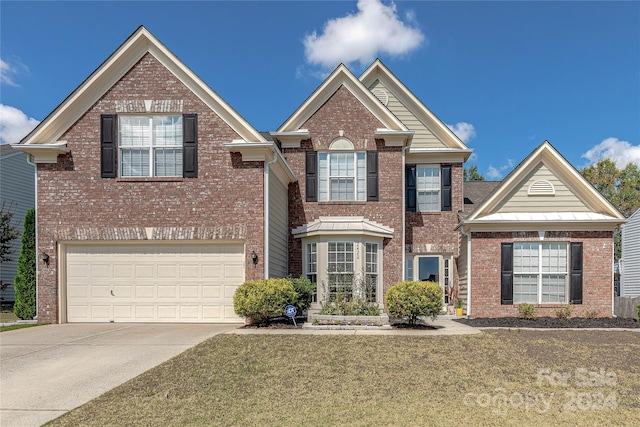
153	283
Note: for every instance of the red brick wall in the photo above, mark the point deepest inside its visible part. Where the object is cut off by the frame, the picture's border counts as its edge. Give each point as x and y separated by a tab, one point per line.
485	269
74	201
343	112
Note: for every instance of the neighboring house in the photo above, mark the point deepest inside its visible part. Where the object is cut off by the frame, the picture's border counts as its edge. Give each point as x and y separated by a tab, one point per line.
17	192
544	236
156	199
630	261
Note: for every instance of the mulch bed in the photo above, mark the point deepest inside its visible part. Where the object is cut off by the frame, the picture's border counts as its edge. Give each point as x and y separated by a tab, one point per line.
278	323
551	322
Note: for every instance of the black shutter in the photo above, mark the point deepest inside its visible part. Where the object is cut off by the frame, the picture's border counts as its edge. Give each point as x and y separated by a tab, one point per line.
108	138
190	145
575	271
372	176
410	172
506	278
446	187
311	184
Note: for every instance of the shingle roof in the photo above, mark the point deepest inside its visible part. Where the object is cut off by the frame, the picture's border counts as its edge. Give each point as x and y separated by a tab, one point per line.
474	193
5	150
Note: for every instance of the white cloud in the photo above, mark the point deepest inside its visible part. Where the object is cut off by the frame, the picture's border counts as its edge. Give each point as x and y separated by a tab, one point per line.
496	173
621	152
14	124
6	74
373	30
464	131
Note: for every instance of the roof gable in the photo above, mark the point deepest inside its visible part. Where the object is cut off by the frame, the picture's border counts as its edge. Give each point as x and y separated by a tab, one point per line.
378	76
112	70
341	77
578	200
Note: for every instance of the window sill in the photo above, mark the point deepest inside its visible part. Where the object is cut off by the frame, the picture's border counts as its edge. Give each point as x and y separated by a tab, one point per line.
343	202
151	179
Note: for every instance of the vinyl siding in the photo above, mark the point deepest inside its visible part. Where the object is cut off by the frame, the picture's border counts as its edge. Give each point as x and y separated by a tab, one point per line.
18	194
462	268
423	137
278	227
630	277
564	200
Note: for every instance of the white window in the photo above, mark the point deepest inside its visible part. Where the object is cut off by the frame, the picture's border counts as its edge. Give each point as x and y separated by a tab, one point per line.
312	266
340	268
371	271
428	187
342	176
150	146
540	273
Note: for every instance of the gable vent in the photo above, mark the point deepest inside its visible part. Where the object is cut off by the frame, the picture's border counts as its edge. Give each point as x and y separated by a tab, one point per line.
381	95
542	188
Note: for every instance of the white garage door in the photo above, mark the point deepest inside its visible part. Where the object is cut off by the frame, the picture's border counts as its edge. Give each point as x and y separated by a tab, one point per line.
153	283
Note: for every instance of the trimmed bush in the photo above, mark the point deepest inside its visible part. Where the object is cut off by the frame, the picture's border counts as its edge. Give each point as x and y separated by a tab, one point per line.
25	281
414	299
527	311
564	312
304	290
263	299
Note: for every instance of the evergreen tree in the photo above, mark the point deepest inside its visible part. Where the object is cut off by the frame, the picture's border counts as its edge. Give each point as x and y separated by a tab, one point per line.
25	281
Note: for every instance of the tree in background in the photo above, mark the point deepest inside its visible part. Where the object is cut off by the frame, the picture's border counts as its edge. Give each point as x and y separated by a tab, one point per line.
620	186
7	233
472	174
25	281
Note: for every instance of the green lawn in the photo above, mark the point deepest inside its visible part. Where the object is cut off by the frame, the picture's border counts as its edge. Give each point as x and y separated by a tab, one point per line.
495	378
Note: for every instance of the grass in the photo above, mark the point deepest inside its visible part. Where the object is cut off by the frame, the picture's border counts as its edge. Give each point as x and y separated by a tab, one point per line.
495	378
7	315
17	326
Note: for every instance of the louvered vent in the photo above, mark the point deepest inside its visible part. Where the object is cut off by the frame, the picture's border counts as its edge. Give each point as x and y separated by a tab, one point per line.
542	188
381	95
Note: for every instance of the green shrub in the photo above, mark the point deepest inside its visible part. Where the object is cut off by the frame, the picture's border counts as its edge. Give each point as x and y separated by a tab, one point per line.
592	314
527	311
414	299
638	312
304	290
263	299
564	312
25	281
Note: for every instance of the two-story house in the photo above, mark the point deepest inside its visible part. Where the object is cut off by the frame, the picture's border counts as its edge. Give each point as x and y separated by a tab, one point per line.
156	200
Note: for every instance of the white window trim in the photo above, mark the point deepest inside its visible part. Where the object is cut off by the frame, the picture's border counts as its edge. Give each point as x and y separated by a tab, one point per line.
359	248
540	273
327	185
439	188
148	145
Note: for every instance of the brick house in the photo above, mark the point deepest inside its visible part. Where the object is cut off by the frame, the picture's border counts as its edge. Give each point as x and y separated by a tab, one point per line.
156	199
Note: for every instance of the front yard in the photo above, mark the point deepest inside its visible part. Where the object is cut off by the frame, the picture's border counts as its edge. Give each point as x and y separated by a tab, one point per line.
495	378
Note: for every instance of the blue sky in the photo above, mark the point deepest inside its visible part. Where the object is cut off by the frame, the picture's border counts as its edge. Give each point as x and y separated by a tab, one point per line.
505	75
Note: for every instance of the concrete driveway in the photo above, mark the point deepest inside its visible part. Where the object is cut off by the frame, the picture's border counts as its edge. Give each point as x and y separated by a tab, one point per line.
48	370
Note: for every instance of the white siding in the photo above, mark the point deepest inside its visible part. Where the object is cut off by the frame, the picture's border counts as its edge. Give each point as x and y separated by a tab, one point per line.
462	267
564	200
630	277
18	192
278	227
423	137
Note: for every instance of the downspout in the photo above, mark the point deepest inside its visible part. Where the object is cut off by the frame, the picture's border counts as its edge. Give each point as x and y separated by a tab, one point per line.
404	213
35	194
266	215
468	234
